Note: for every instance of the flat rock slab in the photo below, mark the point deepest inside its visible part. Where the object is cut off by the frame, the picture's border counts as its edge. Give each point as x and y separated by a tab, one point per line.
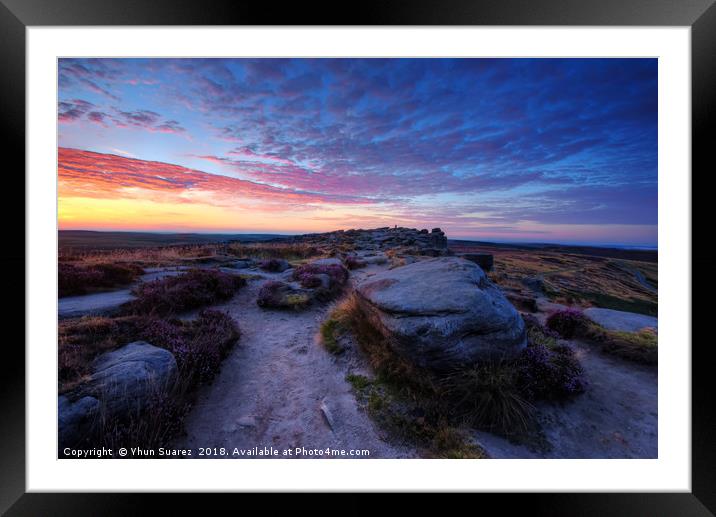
620	320
328	262
156	275
97	304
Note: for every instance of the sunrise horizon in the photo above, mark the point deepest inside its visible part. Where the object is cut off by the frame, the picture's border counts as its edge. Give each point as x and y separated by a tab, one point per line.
502	150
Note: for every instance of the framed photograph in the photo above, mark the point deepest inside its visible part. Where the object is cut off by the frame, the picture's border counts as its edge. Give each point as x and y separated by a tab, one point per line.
449	249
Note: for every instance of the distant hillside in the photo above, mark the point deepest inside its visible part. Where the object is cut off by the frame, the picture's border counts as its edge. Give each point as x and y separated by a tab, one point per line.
593	251
80	239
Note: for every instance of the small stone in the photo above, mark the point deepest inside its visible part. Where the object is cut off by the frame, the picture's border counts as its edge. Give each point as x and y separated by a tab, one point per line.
246	421
327	415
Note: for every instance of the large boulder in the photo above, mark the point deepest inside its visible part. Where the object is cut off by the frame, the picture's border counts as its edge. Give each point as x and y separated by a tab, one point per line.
126	380
442	313
123	384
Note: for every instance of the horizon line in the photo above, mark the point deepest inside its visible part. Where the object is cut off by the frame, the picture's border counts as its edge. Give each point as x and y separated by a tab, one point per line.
649	246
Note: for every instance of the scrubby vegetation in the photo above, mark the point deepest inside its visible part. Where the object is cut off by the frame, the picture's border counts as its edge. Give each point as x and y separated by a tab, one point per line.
337	324
145	256
175	255
280	295
625	280
639	346
351	262
78	279
568	323
425	408
171	295
198	346
337	274
310	276
273	265
274	250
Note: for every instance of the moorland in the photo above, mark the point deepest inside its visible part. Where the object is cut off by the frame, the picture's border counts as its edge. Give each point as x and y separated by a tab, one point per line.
398	341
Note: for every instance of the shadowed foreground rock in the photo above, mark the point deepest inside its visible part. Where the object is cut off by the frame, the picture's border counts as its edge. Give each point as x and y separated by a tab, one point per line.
123	383
442	313
126	379
484	260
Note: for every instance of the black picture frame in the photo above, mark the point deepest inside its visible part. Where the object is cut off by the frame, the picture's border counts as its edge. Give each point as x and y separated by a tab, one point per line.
700	15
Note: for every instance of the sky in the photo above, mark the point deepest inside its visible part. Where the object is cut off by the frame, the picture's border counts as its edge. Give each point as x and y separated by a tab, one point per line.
509	150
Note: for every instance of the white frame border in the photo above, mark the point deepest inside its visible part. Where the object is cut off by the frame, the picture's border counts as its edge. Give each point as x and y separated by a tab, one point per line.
671	472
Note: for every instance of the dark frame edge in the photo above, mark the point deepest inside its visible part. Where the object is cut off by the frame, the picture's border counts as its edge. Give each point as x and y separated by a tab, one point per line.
12	106
702	500
703	110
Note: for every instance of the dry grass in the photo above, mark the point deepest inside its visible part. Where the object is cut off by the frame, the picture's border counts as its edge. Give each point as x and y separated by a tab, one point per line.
641	347
274	250
576	279
160	256
147	257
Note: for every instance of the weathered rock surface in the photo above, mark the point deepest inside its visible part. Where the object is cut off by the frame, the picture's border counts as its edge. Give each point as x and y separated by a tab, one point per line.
620	320
442	313
97	304
125	380
76	420
123	383
409	240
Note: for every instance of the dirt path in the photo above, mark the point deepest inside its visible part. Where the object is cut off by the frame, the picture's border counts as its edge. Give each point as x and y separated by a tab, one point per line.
272	387
615	418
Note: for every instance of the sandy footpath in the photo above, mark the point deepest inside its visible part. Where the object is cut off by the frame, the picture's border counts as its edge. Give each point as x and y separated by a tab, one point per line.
272	387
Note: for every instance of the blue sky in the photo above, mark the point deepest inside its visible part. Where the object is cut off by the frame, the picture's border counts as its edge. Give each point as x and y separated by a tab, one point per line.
558	150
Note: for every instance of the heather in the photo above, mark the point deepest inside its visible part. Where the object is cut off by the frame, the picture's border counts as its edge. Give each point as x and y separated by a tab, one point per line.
308	276
79	279
568	323
198	345
190	290
274	265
